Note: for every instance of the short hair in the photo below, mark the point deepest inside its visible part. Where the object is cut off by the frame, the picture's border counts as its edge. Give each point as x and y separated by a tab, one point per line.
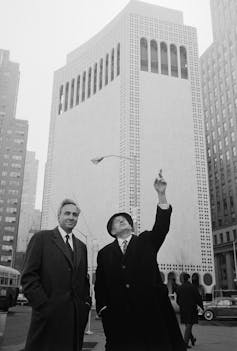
67	202
186	277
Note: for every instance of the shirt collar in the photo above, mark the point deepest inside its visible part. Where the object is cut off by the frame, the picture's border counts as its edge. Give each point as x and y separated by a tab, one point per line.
120	240
63	233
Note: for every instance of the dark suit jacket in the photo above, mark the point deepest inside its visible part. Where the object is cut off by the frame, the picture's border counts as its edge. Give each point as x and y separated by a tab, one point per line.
57	289
188	298
139	315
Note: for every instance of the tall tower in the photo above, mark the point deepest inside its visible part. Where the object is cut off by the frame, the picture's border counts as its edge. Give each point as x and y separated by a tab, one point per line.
134	91
13	140
219	87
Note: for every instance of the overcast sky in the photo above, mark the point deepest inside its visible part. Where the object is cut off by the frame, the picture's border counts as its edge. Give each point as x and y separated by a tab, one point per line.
39	35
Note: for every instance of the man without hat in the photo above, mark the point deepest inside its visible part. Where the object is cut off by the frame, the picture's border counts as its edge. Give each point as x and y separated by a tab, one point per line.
130	297
55	281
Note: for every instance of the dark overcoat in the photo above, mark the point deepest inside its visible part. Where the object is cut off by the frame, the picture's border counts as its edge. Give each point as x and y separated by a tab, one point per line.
139	315
188	298
57	288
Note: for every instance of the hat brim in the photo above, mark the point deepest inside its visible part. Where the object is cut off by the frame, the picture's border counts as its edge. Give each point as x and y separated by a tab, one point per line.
110	221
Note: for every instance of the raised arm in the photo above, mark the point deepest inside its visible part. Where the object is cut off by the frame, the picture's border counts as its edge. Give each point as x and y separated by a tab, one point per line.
163	213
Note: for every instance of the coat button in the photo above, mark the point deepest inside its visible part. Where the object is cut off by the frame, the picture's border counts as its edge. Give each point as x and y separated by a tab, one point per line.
123	266
127	286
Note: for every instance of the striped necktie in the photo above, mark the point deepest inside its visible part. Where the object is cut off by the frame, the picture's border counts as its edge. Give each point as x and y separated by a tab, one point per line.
124	246
69	246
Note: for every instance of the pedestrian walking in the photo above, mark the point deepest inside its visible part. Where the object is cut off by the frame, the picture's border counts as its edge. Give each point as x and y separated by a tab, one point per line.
130	297
188	298
55	281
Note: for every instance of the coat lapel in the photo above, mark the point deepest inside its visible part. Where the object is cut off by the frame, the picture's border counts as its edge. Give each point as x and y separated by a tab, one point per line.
116	249
58	240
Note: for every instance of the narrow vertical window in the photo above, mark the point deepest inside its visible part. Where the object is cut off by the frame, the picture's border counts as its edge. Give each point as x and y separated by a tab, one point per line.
143	54
60	106
78	90
164	58
112	64
101	74
83	86
118	59
106	69
89	83
95	78
173	60
72	93
154	56
66	96
183	62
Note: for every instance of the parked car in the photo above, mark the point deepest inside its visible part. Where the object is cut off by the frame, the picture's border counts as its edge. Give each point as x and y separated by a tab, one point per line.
22	300
220	307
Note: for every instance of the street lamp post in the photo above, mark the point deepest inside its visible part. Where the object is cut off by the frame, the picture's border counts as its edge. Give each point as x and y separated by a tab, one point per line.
235	261
97	160
89	332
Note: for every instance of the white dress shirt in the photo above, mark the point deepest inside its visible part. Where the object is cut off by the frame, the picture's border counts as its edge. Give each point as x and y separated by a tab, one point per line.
120	241
63	234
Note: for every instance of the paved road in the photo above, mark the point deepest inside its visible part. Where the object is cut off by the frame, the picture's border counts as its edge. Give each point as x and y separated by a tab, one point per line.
211	336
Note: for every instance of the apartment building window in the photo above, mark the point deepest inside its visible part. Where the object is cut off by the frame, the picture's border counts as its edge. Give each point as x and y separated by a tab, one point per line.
72	93
8	238
83	86
17	157
6	258
10	219
143	54
221	238
118	59
227	236
226	141
11	210
183	62
232	136
154	56
95	78
106	69
89	83
215	240
60	106
174	60
164	58
234	151
6	247
101	74
112	65
66	96
78	90
234	234
9	229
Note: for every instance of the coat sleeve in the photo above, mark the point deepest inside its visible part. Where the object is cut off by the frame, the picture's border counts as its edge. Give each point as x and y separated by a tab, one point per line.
160	228
100	285
87	282
30	280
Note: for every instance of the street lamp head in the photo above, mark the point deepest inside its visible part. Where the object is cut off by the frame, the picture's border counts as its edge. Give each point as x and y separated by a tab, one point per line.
97	160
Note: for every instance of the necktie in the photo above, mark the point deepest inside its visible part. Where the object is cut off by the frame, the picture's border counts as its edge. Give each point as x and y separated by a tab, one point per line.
124	246
69	246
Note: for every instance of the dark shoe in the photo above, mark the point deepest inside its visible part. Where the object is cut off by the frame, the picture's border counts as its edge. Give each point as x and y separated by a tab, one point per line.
193	341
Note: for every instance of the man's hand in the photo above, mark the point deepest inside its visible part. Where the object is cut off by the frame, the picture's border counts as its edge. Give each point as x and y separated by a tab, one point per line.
160	186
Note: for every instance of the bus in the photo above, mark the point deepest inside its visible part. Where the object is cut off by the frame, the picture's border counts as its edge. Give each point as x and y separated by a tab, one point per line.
9	287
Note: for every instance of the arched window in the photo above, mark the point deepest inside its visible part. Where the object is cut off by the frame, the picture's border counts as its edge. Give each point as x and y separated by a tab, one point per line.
101	74
83	86
66	96
106	69
89	83
183	62
144	54
78	90
154	56
118	59
164	58
173	60
60	106
72	93
112	64
95	78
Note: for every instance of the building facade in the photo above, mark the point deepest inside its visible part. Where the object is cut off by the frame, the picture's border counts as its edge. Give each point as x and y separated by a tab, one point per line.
219	87
27	200
133	91
13	140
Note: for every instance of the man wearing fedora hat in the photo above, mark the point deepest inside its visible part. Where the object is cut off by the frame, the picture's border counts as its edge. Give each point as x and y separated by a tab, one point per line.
130	297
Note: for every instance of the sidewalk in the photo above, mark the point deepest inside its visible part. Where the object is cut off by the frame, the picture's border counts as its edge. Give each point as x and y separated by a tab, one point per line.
213	336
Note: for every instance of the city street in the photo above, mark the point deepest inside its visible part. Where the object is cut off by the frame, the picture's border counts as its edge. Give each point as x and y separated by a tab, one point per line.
211	336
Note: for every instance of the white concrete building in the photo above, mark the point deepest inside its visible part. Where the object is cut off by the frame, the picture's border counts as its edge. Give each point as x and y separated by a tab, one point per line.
134	91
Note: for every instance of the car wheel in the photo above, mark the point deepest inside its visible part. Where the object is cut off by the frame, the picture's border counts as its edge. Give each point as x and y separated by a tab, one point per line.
208	315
